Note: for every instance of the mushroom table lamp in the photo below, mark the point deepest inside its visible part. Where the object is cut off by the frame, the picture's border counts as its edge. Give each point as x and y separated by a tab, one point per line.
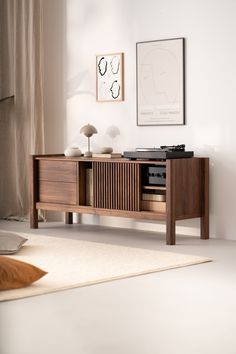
88	130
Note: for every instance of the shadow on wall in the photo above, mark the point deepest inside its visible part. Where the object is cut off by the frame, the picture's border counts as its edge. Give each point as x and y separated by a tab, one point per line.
74	84
222	192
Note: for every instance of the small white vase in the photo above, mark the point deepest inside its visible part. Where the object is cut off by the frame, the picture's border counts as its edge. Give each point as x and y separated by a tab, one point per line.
72	151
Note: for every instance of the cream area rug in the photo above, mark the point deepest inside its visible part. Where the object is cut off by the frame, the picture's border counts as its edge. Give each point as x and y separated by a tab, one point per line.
76	263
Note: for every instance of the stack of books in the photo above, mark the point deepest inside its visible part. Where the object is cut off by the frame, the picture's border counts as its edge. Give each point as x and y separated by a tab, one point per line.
154	201
108	156
154	197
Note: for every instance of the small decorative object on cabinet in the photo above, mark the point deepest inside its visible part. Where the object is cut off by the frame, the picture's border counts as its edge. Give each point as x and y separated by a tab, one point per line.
106	150
112	131
120	187
112	155
88	130
72	151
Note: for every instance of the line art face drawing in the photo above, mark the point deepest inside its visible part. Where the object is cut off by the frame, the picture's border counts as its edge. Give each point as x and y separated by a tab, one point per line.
109	74
160	82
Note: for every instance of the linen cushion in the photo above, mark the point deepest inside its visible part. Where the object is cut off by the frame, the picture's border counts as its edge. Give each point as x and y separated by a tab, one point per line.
15	274
10	243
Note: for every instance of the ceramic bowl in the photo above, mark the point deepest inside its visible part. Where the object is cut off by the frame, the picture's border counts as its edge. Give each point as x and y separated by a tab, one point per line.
72	151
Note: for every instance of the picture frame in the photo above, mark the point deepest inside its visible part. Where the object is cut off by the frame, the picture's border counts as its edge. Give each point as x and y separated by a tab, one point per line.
160	80
110	77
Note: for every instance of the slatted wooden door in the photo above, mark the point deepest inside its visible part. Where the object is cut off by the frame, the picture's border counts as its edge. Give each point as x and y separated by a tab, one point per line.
116	185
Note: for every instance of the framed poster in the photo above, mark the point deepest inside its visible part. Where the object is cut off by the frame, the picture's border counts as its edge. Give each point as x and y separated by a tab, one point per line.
160	82
110	77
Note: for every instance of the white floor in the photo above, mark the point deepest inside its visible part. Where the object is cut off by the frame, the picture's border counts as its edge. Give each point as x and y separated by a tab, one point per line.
189	310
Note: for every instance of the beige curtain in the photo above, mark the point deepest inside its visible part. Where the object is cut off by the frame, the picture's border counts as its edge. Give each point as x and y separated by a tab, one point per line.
21	118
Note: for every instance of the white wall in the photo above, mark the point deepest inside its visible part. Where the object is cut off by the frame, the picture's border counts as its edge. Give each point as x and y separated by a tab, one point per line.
209	26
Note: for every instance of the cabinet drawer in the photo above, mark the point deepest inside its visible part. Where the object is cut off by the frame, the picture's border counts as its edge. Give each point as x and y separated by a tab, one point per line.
57	192
58	171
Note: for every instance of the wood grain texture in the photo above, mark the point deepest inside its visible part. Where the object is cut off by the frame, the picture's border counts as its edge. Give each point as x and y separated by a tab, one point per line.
57	192
82	183
59	183
58	171
145	215
186	185
60	157
185	193
116	186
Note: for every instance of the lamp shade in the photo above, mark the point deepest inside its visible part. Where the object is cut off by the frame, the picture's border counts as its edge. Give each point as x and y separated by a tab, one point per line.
88	130
113	131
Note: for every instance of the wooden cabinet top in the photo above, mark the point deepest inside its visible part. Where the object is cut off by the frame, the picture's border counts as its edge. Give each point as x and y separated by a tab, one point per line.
61	157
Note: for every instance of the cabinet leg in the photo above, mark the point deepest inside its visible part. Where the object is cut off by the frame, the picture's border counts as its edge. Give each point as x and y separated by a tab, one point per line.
170	232
205	216
34	219
204	228
68	218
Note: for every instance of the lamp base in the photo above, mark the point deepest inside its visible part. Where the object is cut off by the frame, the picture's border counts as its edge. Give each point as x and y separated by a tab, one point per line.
88	154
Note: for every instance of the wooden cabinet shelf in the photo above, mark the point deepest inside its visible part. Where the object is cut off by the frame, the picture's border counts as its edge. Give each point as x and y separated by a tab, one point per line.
118	187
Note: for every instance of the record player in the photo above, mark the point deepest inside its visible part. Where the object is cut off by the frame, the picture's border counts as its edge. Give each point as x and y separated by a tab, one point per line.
161	153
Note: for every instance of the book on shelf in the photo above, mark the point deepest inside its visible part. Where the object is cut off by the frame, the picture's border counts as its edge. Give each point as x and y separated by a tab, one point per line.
153	206
154	197
108	156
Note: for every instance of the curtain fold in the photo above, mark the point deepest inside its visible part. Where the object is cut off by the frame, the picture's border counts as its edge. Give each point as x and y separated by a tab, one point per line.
22	118
6	48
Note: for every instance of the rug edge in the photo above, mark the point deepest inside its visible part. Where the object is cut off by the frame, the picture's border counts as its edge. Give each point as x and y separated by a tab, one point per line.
201	260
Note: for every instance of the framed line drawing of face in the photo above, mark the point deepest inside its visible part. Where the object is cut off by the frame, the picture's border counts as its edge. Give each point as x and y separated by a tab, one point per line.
110	77
160	82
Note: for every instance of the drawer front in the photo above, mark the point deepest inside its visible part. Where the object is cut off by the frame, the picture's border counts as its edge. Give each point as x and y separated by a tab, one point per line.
57	192
58	171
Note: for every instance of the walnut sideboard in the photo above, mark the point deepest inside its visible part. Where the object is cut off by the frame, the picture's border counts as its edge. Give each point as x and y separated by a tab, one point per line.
118	187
